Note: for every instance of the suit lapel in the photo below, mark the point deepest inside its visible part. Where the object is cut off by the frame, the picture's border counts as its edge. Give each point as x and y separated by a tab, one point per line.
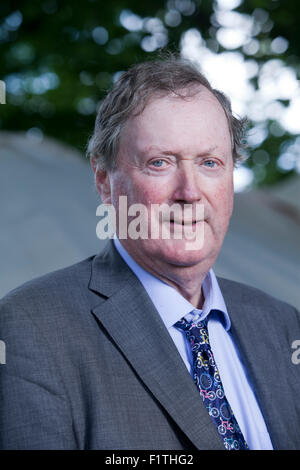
136	327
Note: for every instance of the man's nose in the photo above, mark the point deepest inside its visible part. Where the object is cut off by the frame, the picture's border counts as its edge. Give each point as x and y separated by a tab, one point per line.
188	187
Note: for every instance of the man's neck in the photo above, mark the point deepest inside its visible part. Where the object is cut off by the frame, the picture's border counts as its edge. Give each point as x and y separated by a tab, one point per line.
187	280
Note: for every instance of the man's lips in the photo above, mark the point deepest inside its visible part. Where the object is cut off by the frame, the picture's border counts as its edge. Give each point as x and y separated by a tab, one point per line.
184	222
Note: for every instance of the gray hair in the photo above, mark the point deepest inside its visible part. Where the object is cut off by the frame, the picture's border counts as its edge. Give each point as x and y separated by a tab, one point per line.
133	90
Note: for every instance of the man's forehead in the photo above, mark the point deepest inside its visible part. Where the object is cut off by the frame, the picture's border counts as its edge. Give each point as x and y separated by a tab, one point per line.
193	99
192	93
187	94
166	126
163	150
172	107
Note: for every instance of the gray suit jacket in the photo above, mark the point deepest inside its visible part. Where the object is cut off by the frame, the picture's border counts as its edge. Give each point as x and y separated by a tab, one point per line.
90	365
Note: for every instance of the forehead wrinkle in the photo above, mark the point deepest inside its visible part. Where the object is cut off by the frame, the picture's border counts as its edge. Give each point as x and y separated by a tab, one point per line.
176	153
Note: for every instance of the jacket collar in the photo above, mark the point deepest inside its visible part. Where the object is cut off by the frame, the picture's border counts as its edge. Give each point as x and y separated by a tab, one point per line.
127	313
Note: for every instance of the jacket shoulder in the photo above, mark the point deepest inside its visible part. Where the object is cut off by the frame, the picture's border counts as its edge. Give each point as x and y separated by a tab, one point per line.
246	293
258	305
50	291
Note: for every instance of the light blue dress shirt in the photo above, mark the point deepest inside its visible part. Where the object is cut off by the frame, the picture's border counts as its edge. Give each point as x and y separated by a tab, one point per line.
172	306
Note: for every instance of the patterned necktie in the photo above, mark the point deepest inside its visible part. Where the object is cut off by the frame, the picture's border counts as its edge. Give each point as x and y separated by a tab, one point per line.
207	379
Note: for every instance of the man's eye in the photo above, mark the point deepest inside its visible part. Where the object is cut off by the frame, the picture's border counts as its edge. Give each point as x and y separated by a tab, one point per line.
158	163
210	163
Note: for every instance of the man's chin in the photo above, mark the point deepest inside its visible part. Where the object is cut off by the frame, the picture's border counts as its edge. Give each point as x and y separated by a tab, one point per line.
179	252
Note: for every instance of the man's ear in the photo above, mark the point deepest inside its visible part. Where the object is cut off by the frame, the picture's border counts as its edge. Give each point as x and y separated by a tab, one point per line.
102	182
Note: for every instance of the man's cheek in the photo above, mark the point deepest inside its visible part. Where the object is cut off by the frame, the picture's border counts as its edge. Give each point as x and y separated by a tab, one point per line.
221	209
224	196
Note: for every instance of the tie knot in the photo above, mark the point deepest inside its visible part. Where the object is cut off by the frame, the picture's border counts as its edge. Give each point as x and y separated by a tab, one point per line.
185	325
182	324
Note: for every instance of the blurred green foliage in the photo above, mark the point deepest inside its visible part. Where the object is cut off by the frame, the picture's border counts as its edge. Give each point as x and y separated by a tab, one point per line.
58	57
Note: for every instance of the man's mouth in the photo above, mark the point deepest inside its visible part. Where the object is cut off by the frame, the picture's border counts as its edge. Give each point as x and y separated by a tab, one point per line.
185	222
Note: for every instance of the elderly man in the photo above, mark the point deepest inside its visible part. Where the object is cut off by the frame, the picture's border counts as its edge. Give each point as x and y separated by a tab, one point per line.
141	346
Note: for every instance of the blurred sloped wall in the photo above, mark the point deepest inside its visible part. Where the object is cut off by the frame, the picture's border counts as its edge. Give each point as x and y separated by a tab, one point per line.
47	207
48	221
262	246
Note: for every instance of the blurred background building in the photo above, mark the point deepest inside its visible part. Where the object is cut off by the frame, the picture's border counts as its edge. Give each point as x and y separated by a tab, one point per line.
58	58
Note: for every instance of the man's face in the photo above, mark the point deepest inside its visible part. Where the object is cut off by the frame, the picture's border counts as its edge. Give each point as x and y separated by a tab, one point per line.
177	151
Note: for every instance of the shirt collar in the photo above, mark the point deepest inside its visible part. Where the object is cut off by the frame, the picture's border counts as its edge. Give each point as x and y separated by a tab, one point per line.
169	303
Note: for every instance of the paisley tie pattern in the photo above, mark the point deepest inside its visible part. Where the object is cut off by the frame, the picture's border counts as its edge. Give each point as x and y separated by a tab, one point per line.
207	379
